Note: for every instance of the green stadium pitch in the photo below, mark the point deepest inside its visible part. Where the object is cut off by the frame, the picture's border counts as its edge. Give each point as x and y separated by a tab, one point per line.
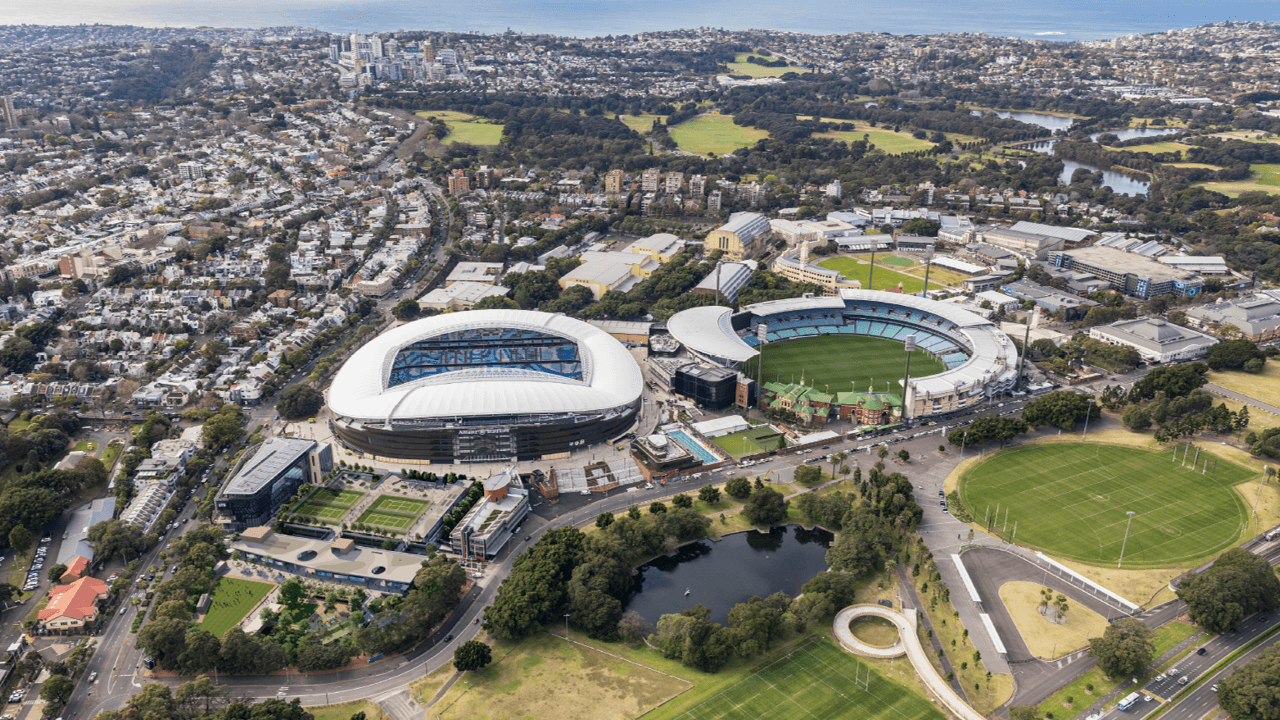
841	363
1072	500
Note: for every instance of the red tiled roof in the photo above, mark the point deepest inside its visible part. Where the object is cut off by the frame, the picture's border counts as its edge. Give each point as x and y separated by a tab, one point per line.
76	568
75	600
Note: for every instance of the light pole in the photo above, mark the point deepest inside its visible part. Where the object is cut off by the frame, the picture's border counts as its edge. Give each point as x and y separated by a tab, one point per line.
566	626
1126	537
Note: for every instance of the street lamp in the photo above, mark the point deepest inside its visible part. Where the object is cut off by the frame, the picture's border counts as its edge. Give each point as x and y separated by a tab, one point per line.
566	626
1126	537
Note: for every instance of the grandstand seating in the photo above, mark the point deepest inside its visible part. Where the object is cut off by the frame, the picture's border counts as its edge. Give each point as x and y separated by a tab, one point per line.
487	348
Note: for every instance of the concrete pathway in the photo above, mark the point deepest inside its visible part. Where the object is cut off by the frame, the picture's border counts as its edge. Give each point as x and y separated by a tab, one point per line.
915	652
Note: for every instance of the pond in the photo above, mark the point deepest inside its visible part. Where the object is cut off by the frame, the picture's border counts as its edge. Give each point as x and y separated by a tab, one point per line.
721	574
1118	182
1046	121
1131	133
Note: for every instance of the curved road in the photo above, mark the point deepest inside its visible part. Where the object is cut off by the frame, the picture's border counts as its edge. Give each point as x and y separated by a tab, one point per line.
907	637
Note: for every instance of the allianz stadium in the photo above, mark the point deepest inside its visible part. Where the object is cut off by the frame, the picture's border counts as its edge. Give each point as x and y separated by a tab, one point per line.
980	360
485	385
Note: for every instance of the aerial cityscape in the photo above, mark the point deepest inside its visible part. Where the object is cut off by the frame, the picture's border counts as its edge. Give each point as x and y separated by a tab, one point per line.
595	364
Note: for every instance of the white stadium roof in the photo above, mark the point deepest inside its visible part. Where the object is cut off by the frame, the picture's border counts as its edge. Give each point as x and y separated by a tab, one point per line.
706	331
611	377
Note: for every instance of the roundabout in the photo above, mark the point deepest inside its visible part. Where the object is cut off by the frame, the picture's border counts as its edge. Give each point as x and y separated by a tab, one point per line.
908	644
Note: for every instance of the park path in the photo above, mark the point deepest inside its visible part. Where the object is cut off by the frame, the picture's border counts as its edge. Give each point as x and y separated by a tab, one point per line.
909	640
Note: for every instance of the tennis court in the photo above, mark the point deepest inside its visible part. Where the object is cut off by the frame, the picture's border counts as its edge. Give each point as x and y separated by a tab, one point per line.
386	520
322	511
399	506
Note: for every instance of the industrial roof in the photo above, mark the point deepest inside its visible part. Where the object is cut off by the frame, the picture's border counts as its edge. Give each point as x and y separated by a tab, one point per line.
610	376
273	456
706	331
1069	234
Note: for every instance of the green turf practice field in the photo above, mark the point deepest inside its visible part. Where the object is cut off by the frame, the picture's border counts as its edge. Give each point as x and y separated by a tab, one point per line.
884	278
706	134
749	442
232	599
328	505
898	261
816	680
840	363
1071	500
399	506
383	519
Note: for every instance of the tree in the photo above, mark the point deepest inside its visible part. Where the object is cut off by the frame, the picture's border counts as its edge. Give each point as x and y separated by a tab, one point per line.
1252	692
604	520
903	455
1136	418
986	429
1061	409
657	508
1173	380
222	429
1234	354
57	689
116	538
56	572
18	354
682	501
633	512
292	592
1124	649
757	623
807	475
883	452
407	309
298	401
863	544
766	507
738	488
1237	585
471	655
19	538
709	494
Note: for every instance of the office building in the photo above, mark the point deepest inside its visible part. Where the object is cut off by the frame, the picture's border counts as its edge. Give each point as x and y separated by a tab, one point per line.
491	523
268	478
710	387
731	277
1257	317
1129	273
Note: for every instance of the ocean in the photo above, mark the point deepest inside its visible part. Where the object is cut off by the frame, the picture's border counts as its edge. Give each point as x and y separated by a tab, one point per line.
1043	19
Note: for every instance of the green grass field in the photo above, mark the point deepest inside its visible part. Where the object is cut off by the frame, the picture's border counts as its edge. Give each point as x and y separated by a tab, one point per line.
1071	499
467	128
329	496
832	362
1160	147
748	442
328	505
399	506
232	600
384	519
717	134
816	680
641	123
1266	178
884	278
740	66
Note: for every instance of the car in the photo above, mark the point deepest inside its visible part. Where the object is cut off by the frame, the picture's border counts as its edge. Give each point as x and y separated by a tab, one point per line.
1201	651
1214	687
475	620
448	638
64	536
527	538
1173	672
93	676
124	609
1184	680
1160	677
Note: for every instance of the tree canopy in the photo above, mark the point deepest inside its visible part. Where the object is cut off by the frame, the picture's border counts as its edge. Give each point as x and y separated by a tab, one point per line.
299	401
1252	692
1124	649
1062	408
1237	585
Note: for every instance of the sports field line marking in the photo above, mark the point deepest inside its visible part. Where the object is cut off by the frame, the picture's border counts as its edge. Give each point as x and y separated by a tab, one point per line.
873	695
744	680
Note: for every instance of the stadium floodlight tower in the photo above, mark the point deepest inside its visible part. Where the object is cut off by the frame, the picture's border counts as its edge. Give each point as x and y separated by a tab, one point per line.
909	344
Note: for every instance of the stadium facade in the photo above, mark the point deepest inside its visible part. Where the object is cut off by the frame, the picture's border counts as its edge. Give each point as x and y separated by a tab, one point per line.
981	360
486	385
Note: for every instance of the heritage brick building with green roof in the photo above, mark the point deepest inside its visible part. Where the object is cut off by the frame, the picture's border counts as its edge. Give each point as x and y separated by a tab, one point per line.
817	407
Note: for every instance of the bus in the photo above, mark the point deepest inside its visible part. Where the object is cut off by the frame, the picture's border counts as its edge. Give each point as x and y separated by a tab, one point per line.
1128	701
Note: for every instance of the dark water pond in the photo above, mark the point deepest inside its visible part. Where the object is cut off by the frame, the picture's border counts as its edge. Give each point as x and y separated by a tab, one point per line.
722	574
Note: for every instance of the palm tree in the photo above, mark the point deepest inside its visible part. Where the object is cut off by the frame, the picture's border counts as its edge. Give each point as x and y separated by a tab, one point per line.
836	459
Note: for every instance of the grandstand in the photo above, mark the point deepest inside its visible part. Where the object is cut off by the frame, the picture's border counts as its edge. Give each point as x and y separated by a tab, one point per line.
485	385
980	360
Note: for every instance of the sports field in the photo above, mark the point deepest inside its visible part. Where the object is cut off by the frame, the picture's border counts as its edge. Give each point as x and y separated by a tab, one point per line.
328	505
467	128
816	680
1071	499
749	442
740	66
707	134
232	599
884	278
840	363
392	512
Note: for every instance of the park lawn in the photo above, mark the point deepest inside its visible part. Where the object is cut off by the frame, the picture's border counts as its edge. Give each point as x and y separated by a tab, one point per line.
465	127
839	363
344	711
1266	178
1205	166
1160	147
232	600
85	446
641	123
546	677
1067	498
19	425
1264	385
948	627
885	278
740	66
874	631
110	454
1045	639
707	134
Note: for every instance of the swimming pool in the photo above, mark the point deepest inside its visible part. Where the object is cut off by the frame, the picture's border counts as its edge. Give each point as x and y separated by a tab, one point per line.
705	455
